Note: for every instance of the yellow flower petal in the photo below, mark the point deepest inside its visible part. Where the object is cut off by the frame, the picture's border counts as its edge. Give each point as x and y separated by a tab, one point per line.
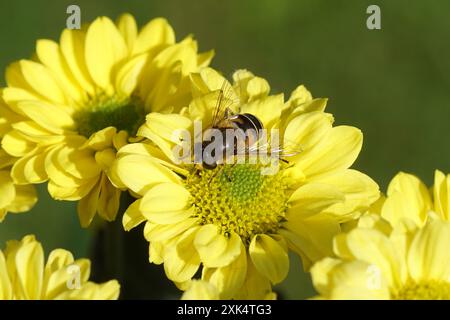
311	199
156	252
151	150
105	47
31	131
50	55
428	257
374	247
55	119
140	173
267	110
87	206
375	221
299	96
215	249
55	273
12	95
269	258
24	200
5	159
202	108
92	291
200	86
441	194
57	259
42	81
109	200
407	197
79	163
164	130
29	261
359	189
182	261
16	144
5	282
127	28
318	104
154	232
70	193
204	58
307	130
166	203
30	169
120	139
101	139
312	237
14	78
229	279
105	159
357	280
258	88
320	275
200	290
57	173
336	151
127	77
155	35
256	286
73	49
157	86
7	190
132	216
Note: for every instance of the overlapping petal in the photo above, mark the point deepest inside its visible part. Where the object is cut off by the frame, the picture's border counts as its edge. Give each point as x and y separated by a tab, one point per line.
25	275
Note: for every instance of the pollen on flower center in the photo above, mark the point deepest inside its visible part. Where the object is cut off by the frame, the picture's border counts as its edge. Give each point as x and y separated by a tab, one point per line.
103	111
238	198
424	290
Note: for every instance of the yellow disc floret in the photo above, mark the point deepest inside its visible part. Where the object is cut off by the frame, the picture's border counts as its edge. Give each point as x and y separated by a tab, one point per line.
123	113
424	290
239	198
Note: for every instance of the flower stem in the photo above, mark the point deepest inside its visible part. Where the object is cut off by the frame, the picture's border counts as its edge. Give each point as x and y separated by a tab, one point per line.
121	255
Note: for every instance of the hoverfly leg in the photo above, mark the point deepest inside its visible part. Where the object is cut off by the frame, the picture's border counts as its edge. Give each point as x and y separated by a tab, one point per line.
215	174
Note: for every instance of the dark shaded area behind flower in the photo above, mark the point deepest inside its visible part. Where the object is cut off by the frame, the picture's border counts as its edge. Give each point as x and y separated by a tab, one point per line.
392	83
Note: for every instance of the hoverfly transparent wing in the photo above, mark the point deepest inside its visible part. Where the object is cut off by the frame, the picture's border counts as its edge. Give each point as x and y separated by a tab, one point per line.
264	146
290	148
219	104
225	100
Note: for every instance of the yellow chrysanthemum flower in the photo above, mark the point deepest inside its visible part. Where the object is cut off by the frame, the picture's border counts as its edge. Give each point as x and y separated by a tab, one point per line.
24	275
84	97
409	200
372	264
235	222
13	198
398	250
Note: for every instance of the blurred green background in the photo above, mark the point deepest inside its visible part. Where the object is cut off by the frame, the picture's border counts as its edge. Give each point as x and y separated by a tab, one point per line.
392	83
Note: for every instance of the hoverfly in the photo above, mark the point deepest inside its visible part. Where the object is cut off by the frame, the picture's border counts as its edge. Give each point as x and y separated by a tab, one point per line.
245	125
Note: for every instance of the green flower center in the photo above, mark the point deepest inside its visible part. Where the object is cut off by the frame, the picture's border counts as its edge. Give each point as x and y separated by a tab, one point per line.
103	111
238	198
424	290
